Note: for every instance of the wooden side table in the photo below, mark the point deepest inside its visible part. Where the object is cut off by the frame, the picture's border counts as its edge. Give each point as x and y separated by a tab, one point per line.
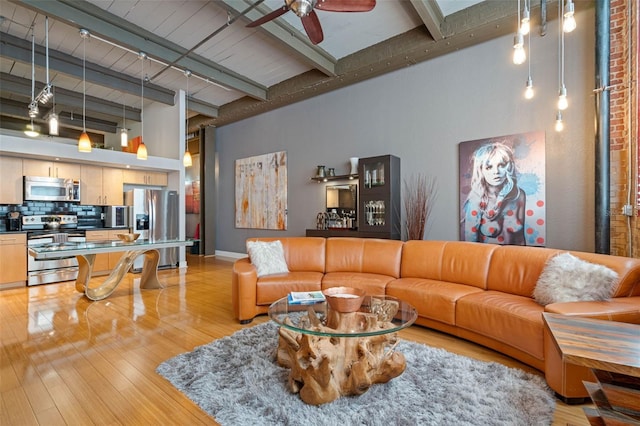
612	350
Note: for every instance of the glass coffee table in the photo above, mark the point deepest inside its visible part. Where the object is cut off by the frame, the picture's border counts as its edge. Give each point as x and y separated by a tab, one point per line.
332	354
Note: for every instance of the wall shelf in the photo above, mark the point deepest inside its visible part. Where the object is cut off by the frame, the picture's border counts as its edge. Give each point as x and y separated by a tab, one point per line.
332	178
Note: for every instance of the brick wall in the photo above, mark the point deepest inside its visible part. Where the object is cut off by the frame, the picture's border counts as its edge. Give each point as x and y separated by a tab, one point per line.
624	155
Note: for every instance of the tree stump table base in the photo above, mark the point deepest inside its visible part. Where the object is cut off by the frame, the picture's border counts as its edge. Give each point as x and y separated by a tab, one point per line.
325	367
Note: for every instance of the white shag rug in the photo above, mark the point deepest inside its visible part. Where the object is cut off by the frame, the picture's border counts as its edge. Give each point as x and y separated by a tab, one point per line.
237	381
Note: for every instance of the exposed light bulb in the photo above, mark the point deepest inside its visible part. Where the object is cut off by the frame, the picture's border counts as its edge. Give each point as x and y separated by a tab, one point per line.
559	123
569	21
519	55
528	92
525	24
53	124
563	103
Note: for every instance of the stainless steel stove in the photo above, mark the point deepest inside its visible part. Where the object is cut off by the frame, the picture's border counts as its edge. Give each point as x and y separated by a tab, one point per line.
52	230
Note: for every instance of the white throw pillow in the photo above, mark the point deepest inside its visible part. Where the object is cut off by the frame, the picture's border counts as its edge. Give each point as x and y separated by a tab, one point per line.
566	278
267	257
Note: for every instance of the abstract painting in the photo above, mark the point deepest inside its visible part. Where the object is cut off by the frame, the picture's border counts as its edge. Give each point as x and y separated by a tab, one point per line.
502	190
261	191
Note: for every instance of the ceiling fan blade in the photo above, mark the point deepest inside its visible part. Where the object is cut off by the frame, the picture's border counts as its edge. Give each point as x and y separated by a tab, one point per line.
346	5
268	17
312	26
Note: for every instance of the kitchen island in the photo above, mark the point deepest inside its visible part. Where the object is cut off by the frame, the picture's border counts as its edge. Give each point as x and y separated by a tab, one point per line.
85	253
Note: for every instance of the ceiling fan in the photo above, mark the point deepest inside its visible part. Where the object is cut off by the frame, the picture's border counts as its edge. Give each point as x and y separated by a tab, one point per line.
305	10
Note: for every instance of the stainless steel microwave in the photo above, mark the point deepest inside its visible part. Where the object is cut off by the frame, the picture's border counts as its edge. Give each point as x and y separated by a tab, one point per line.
38	188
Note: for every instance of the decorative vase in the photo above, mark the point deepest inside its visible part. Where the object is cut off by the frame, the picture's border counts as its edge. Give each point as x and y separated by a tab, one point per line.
320	172
354	165
332	172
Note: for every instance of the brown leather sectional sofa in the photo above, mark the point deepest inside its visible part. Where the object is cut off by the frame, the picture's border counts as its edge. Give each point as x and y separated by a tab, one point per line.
479	292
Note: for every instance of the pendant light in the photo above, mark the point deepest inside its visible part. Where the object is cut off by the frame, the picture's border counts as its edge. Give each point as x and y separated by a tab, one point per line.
525	26
528	92
562	92
84	143
186	160
519	55
568	20
141	153
124	136
48	93
30	129
54	124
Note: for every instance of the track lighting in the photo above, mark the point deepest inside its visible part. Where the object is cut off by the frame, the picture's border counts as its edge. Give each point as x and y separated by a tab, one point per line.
568	21
33	109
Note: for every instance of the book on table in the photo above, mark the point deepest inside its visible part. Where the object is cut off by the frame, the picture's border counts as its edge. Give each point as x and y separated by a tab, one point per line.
305	297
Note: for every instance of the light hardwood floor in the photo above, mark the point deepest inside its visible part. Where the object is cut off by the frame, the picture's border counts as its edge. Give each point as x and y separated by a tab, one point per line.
67	360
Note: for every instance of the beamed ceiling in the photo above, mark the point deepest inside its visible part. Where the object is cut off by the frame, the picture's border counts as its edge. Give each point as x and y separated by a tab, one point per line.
236	72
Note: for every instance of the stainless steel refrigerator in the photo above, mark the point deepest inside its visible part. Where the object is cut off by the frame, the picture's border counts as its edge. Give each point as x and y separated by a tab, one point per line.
154	214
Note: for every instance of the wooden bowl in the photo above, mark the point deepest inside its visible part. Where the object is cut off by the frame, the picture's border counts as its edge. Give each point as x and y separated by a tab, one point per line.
344	299
129	237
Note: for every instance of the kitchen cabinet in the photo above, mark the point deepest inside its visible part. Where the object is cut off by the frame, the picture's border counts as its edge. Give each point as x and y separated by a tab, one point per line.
101	186
11	188
105	262
50	169
145	177
13	260
379	203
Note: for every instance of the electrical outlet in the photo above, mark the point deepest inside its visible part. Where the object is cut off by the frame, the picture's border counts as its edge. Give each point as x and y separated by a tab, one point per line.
627	210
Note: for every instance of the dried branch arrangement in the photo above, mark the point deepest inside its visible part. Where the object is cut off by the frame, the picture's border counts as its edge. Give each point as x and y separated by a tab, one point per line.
419	193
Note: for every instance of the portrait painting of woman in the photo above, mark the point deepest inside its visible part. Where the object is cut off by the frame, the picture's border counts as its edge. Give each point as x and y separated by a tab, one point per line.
502	190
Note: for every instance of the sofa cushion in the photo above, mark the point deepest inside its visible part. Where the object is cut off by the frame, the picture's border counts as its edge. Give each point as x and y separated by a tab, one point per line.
514	320
267	257
515	269
467	263
566	278
432	299
372	255
273	287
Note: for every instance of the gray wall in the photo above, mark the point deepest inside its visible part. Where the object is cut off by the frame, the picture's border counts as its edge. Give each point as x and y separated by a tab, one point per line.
421	114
